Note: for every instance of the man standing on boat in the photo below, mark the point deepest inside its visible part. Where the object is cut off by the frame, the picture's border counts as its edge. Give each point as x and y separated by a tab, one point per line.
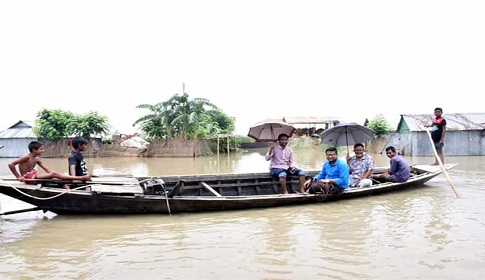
282	163
438	131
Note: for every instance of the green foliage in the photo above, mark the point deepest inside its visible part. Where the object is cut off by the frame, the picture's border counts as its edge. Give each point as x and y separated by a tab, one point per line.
57	124
53	124
246	139
182	118
215	122
380	125
85	125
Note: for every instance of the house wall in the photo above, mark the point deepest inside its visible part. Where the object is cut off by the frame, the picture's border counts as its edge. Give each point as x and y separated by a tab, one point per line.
457	143
14	147
178	148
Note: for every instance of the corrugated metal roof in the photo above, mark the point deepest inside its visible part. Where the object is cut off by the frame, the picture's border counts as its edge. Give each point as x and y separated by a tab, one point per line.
21	129
458	122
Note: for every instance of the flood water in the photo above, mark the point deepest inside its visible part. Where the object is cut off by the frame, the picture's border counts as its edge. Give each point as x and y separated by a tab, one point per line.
425	233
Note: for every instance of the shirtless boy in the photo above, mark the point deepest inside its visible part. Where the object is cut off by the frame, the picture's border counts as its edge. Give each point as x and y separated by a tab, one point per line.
28	162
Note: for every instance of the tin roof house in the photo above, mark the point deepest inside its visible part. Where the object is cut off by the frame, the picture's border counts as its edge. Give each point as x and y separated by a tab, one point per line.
465	135
15	140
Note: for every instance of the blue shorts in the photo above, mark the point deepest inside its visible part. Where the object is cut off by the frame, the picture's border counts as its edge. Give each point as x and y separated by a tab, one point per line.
438	145
280	172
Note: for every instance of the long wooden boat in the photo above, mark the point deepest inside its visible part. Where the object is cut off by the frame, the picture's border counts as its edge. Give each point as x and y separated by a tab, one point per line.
190	193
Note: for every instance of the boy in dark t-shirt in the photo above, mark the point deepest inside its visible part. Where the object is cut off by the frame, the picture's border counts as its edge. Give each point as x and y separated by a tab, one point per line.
77	165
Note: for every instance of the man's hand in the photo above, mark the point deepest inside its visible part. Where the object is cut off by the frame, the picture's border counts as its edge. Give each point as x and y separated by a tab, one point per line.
271	148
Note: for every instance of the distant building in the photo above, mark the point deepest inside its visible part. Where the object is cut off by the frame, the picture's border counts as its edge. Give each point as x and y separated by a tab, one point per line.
15	140
310	125
465	135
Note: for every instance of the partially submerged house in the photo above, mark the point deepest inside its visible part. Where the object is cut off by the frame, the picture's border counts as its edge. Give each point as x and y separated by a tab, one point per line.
465	135
15	140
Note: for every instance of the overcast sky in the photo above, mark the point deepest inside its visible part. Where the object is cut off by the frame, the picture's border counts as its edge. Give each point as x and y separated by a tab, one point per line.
254	59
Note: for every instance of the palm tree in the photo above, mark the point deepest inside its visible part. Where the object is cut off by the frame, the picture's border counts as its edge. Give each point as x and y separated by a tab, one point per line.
189	115
178	117
157	123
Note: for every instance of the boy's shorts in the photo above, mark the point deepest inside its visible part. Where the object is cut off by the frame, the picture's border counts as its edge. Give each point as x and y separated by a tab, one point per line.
32	174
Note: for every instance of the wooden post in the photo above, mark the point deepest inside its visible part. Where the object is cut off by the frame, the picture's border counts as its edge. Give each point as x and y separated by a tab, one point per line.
20	211
217	145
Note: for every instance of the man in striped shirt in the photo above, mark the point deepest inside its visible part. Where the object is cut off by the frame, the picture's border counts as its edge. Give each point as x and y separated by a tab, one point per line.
282	163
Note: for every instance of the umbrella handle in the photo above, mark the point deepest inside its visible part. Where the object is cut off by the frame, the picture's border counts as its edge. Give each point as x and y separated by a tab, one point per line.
347	140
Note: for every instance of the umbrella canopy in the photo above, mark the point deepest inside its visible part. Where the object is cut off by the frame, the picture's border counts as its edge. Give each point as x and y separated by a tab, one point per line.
268	130
345	134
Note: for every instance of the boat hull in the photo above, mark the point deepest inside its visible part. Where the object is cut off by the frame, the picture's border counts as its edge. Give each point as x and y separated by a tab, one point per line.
223	192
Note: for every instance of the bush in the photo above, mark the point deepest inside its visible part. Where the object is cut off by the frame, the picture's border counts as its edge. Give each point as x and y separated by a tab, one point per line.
380	125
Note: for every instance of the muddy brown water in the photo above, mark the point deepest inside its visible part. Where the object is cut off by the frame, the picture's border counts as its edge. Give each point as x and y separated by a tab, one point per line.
424	233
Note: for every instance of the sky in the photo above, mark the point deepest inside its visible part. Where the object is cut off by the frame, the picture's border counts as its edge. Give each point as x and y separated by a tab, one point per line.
349	59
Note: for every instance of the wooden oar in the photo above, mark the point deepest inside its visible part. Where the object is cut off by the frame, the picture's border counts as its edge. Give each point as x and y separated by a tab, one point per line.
20	211
441	163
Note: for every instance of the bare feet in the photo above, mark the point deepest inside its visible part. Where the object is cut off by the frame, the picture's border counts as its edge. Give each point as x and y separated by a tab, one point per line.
65	186
435	163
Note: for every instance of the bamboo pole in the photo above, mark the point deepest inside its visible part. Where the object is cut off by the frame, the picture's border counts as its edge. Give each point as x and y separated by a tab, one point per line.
441	163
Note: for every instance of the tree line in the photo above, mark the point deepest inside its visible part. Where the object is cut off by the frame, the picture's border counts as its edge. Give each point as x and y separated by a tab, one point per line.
179	117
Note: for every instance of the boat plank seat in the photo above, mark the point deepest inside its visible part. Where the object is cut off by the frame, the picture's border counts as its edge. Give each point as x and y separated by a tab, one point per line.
177	189
114	180
113	189
210	189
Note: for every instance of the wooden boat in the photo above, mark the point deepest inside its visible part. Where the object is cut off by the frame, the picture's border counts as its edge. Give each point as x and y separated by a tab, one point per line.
190	193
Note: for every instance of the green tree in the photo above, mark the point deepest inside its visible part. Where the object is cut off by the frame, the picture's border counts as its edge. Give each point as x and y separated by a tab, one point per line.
191	116
90	124
182	118
57	124
53	124
159	123
380	125
217	122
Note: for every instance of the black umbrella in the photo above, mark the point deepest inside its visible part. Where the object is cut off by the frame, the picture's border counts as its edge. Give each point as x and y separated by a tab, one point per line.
345	134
